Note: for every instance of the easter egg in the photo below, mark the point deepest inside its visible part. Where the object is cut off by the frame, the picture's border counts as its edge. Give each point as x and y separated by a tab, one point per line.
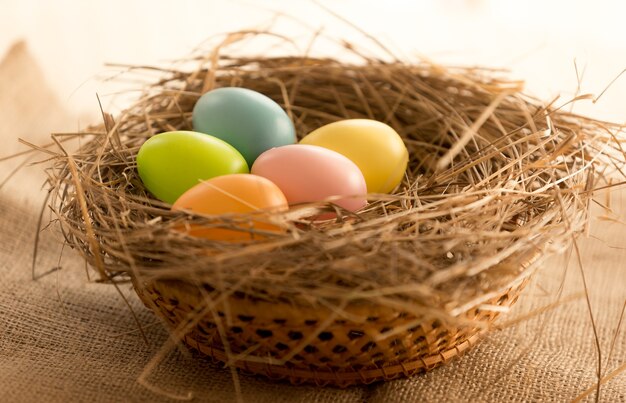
373	146
171	163
233	194
248	120
307	173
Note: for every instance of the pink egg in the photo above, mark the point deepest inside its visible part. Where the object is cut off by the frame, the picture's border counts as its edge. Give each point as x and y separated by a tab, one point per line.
307	173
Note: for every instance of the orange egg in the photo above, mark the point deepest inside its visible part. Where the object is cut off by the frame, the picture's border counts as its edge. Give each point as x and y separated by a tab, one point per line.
233	194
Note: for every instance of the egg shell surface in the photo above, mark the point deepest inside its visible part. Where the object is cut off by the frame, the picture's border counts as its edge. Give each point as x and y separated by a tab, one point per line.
375	147
233	194
170	163
248	120
308	173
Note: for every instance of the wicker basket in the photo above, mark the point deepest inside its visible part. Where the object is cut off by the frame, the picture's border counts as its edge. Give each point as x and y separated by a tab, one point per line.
529	169
345	352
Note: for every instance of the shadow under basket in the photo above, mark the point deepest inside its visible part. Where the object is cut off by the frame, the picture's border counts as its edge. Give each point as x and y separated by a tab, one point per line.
313	345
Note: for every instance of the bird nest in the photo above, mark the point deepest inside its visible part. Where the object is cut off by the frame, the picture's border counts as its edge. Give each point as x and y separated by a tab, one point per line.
496	181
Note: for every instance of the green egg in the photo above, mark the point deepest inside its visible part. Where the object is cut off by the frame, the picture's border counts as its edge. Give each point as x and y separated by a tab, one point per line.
248	120
171	163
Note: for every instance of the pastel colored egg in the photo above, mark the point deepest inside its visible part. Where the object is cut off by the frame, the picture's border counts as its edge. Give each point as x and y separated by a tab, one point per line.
373	146
307	173
248	120
171	163
233	194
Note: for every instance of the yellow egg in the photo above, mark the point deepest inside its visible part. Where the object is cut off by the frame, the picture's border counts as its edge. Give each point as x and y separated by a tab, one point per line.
373	146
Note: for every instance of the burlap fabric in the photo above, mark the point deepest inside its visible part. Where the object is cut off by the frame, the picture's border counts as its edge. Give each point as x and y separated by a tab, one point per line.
64	338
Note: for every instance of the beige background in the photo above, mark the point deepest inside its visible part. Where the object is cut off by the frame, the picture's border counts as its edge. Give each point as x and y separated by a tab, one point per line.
539	40
63	338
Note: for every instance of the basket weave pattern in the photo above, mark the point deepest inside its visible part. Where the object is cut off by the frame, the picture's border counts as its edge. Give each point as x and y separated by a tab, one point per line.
343	353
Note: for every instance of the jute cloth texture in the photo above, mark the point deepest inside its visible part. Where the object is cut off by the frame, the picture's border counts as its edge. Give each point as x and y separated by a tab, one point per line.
65	338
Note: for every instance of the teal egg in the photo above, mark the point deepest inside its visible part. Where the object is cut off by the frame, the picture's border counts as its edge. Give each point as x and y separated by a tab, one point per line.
248	120
171	163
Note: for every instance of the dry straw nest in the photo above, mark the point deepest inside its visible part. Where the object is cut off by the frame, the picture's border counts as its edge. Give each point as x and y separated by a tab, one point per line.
496	180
